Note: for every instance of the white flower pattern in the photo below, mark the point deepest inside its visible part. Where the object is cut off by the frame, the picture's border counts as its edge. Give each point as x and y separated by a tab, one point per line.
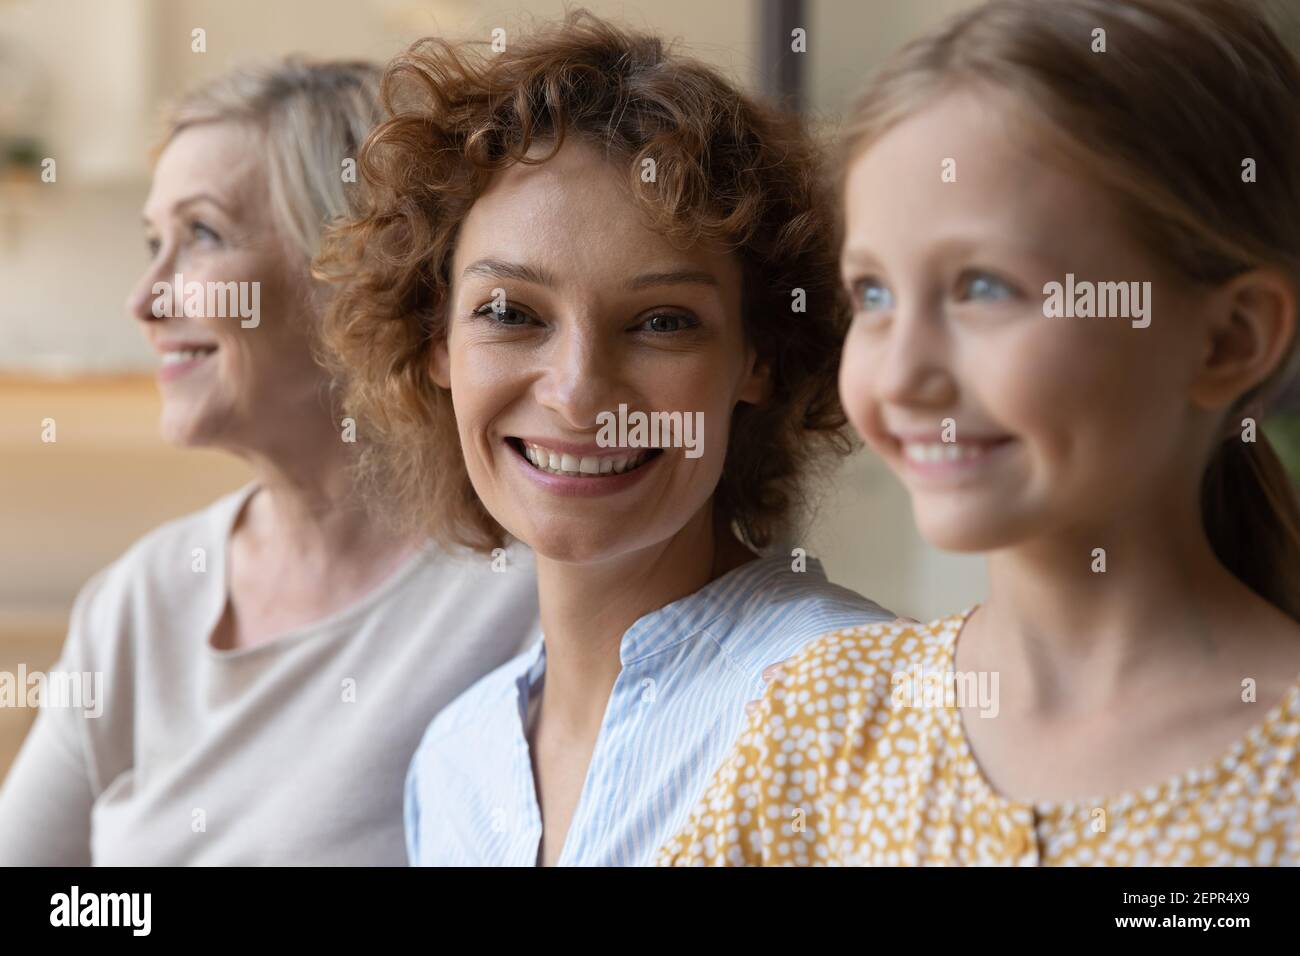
828	772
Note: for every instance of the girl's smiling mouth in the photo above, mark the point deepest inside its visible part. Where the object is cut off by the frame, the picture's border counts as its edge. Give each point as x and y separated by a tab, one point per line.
933	460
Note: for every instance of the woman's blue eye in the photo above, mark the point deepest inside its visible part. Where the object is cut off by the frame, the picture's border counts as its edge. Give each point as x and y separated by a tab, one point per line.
202	231
666	322
872	296
981	285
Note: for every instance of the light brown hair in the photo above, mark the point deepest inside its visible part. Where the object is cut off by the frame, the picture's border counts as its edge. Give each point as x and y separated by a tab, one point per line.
1186	90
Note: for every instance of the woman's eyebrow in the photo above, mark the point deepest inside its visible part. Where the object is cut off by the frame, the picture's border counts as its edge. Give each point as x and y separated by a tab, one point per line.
181	204
500	269
676	277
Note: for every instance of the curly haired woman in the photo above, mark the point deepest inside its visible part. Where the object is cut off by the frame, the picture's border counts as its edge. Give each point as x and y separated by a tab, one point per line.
582	222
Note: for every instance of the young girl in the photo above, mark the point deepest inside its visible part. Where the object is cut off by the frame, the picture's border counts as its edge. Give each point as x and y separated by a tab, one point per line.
1073	244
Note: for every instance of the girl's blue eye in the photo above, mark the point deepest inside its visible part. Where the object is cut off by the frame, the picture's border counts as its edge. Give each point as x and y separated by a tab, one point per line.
982	285
870	295
664	322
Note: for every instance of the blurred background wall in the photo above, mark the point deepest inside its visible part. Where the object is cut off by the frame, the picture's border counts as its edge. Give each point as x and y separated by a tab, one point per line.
81	81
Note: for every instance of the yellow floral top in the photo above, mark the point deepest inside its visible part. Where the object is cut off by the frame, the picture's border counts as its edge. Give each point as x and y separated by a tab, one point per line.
849	763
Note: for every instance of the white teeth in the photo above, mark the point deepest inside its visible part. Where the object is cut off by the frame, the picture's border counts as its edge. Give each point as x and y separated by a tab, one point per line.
184	355
560	463
932	452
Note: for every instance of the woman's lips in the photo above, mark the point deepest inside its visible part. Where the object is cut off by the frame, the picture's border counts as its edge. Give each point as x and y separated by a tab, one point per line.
586	475
182	361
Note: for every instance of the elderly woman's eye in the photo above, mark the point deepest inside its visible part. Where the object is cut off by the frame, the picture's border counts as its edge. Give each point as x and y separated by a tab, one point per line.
200	230
668	322
984	286
871	295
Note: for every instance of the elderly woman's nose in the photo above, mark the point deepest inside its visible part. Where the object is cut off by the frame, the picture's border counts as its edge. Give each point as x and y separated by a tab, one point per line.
140	300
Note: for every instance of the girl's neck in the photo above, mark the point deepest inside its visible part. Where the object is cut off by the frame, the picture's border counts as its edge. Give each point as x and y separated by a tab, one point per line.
587	608
1065	632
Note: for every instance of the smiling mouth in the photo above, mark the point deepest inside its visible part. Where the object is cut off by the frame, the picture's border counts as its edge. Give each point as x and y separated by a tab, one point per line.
930	453
553	462
178	356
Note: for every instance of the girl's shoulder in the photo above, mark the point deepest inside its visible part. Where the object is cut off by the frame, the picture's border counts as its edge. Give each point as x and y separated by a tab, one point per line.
869	652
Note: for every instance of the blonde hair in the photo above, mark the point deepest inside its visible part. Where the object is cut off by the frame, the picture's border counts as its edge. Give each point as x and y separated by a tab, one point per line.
1188	90
313	116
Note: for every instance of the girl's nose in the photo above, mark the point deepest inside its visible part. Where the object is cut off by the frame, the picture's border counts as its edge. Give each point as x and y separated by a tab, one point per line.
915	367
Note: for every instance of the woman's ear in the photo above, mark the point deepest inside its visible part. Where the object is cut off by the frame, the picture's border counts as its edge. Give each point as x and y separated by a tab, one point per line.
756	386
1249	336
440	364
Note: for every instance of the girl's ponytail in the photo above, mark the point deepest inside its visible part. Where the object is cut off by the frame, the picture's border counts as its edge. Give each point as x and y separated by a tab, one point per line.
1252	518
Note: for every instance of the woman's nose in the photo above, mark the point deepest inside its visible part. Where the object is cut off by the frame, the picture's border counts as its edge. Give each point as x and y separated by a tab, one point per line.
140	302
580	380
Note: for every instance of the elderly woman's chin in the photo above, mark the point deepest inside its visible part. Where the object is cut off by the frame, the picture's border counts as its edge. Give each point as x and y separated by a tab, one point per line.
192	422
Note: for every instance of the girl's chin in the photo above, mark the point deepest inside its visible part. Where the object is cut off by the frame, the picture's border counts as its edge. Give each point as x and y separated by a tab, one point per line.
963	531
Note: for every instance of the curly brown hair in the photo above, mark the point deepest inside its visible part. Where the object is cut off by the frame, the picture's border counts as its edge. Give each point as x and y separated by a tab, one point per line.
728	169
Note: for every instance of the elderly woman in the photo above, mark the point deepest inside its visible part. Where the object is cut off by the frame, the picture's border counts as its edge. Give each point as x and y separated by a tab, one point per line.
270	662
564	242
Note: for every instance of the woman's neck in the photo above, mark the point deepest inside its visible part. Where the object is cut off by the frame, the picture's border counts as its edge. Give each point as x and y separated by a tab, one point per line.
307	507
587	608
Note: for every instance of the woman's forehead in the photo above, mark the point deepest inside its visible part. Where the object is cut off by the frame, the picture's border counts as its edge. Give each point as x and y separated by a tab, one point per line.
221	160
575	214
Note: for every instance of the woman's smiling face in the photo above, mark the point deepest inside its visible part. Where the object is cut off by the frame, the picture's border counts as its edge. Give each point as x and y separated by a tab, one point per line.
564	305
1059	422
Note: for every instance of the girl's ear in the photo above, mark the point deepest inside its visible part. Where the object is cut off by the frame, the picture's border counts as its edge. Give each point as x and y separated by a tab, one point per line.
1248	337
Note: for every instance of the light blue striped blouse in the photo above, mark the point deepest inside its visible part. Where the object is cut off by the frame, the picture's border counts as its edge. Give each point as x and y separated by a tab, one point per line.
675	710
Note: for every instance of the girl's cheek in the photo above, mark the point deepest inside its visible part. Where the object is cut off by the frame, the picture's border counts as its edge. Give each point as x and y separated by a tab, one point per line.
1043	371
